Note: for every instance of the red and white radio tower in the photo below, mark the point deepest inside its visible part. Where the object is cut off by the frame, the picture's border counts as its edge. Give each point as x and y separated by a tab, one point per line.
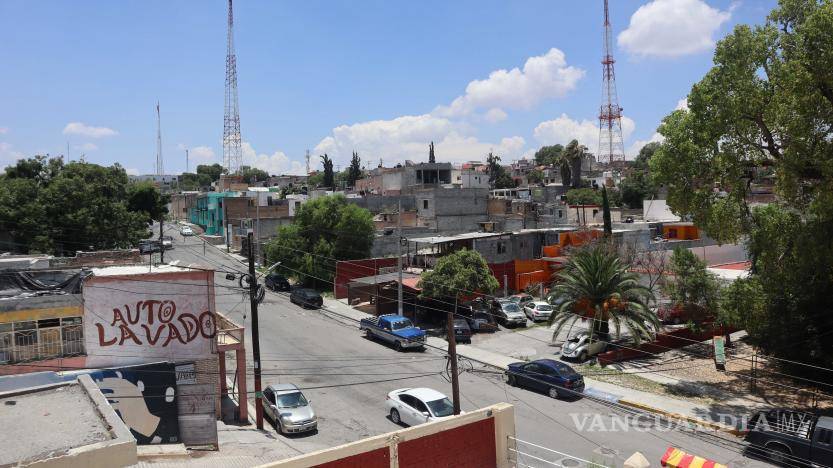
611	146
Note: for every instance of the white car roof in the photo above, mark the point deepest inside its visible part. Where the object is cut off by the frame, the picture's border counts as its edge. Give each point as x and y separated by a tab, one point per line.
537	303
425	394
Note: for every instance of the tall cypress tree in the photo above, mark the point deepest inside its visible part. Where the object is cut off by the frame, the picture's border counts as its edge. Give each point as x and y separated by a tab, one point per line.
431	158
608	225
354	173
329	177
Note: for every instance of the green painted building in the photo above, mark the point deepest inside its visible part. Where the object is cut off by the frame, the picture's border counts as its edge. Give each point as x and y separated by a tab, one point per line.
208	212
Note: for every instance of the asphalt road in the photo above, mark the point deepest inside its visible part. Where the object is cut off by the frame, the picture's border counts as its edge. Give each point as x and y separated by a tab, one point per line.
341	372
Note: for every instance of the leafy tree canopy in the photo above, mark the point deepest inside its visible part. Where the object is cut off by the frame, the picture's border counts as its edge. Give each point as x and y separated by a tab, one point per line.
214	171
253	174
549	155
324	229
498	177
329	178
51	207
693	286
144	197
457	275
584	196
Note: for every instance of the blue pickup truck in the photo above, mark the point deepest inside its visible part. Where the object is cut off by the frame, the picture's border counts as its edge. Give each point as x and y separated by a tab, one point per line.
394	329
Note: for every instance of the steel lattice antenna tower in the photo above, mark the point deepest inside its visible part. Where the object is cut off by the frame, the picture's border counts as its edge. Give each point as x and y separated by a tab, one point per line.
160	169
611	145
232	143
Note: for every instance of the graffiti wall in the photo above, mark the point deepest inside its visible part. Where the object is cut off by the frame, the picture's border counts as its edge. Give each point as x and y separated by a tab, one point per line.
130	319
145	397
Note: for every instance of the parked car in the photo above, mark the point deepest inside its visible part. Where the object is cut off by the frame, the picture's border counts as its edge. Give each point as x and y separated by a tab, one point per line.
462	331
791	438
521	299
306	298
580	346
538	310
482	322
547	375
289	409
277	282
167	242
186	231
508	313
149	247
414	406
394	329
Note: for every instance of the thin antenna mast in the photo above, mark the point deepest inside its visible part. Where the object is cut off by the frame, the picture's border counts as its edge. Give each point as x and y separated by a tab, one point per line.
611	145
160	170
232	142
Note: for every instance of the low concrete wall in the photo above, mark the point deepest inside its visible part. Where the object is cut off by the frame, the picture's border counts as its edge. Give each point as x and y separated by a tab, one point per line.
120	450
411	447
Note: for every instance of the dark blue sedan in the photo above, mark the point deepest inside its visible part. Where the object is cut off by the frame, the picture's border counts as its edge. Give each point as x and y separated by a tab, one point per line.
546	375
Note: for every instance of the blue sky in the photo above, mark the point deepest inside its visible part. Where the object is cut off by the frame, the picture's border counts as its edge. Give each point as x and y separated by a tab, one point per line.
380	77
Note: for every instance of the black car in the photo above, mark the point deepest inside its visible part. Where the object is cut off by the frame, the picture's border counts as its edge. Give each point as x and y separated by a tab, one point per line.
276	282
462	332
306	298
546	375
149	247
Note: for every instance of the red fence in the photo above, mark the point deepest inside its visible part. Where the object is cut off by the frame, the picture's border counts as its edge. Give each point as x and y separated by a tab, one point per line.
348	270
675	339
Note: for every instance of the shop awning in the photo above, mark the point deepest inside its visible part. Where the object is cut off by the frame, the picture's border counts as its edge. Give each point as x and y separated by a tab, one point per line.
676	458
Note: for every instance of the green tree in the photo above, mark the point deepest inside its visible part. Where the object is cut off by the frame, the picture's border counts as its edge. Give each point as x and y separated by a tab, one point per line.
549	155
575	153
253	174
354	173
608	225
766	103
329	177
144	197
51	207
458	274
214	171
193	181
535	176
431	158
324	229
693	288
596	285
583	196
498	177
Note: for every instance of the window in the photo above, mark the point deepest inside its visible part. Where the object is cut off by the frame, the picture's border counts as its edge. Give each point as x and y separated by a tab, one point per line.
424	204
825	436
560	214
420	406
408	400
270	397
595	212
501	247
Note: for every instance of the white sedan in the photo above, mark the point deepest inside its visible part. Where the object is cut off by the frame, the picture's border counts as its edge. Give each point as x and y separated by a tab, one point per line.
414	406
186	231
538	310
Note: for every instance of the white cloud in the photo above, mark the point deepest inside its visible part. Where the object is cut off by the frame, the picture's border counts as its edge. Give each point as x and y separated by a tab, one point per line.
276	163
79	128
8	154
637	145
563	129
407	137
4	130
495	115
203	153
87	147
543	76
132	171
682	104
672	28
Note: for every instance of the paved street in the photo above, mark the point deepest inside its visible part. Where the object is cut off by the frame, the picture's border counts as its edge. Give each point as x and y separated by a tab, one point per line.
336	365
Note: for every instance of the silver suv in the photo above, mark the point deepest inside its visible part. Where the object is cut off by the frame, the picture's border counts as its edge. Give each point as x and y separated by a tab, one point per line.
290	410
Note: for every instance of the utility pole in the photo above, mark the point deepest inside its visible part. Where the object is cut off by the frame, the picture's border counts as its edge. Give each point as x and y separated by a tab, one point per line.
399	255
255	333
187	168
452	355
161	243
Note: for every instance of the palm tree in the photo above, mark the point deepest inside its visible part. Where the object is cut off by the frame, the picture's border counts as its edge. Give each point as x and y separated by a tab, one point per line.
596	285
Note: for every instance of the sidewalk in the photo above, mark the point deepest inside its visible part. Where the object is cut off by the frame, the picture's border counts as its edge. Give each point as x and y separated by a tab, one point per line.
669	407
